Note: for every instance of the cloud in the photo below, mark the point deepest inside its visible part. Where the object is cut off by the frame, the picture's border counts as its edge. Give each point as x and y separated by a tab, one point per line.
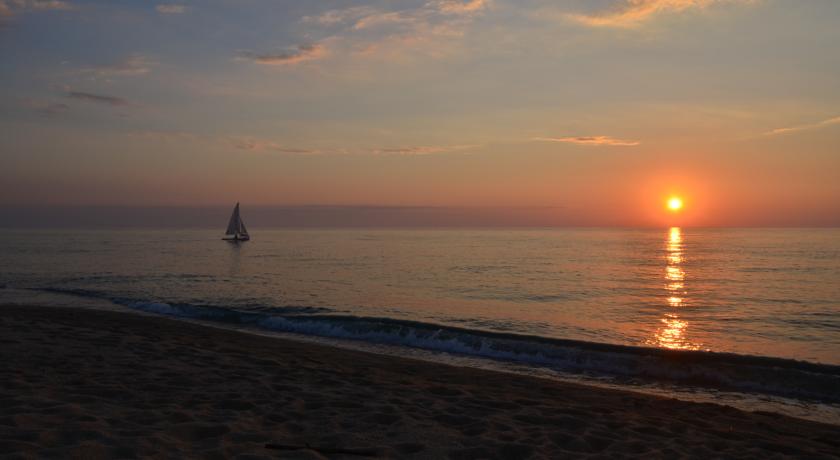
423	150
132	66
292	56
630	13
259	145
38	5
97	98
170	8
429	29
262	145
812	126
387	18
11	7
461	7
51	110
364	17
47	109
166	136
432	15
591	141
339	16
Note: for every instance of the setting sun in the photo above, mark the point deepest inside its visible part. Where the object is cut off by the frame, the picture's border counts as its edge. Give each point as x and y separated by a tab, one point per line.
675	203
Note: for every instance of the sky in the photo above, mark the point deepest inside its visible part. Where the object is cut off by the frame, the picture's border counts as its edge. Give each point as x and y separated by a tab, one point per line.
578	112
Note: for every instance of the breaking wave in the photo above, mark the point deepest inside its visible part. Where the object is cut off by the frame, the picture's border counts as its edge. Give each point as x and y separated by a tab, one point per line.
725	371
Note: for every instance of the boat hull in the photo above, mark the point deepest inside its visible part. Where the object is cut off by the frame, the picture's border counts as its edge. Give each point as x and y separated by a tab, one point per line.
236	238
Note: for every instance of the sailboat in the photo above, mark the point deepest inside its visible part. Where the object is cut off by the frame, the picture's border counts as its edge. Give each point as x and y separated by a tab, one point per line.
236	230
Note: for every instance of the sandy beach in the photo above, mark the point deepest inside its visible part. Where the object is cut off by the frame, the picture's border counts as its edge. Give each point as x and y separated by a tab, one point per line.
95	384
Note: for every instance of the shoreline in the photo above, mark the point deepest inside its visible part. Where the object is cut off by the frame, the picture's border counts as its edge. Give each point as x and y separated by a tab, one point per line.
103	384
801	389
784	380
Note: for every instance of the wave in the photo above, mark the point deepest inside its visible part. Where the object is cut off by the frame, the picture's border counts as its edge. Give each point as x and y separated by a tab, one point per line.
189	310
724	371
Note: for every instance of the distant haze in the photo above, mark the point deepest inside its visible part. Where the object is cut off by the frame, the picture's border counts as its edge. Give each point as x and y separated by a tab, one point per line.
255	217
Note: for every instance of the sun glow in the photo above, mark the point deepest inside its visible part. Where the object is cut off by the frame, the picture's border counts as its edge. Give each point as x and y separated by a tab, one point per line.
675	203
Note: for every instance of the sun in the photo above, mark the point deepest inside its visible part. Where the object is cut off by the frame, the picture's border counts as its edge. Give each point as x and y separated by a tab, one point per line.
675	203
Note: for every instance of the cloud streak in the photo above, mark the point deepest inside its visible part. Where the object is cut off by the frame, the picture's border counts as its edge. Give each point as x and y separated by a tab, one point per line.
47	109
795	129
38	5
460	7
427	29
594	141
332	17
423	150
292	56
260	145
9	8
53	109
631	13
97	98
166	136
134	65
170	8
251	144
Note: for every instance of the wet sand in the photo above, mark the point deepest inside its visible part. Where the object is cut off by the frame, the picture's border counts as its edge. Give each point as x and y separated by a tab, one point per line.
80	383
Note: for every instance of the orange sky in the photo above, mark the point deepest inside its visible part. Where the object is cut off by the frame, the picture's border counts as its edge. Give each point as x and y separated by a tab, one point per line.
592	112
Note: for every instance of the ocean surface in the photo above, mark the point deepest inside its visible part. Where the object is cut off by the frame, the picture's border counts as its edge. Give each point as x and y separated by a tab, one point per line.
749	317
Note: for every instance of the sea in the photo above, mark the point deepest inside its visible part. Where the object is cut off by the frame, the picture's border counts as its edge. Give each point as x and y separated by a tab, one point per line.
743	317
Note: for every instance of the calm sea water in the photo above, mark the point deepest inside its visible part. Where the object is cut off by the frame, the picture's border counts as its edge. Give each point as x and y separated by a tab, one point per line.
548	297
762	292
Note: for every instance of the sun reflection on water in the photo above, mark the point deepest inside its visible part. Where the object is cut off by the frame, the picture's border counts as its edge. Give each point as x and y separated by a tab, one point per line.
673	271
672	332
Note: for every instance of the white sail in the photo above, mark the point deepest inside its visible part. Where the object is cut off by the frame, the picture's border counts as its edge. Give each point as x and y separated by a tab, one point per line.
233	224
236	230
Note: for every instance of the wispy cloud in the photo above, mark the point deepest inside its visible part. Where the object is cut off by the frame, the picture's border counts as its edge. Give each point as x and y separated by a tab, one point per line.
428	29
291	56
809	127
51	110
423	150
97	98
591	141
630	13
134	65
46	109
11	7
461	7
261	145
170	8
332	17
166	136
41	5
252	144
385	18
362	17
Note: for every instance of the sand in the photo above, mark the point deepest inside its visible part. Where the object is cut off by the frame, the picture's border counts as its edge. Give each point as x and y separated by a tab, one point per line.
78	383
